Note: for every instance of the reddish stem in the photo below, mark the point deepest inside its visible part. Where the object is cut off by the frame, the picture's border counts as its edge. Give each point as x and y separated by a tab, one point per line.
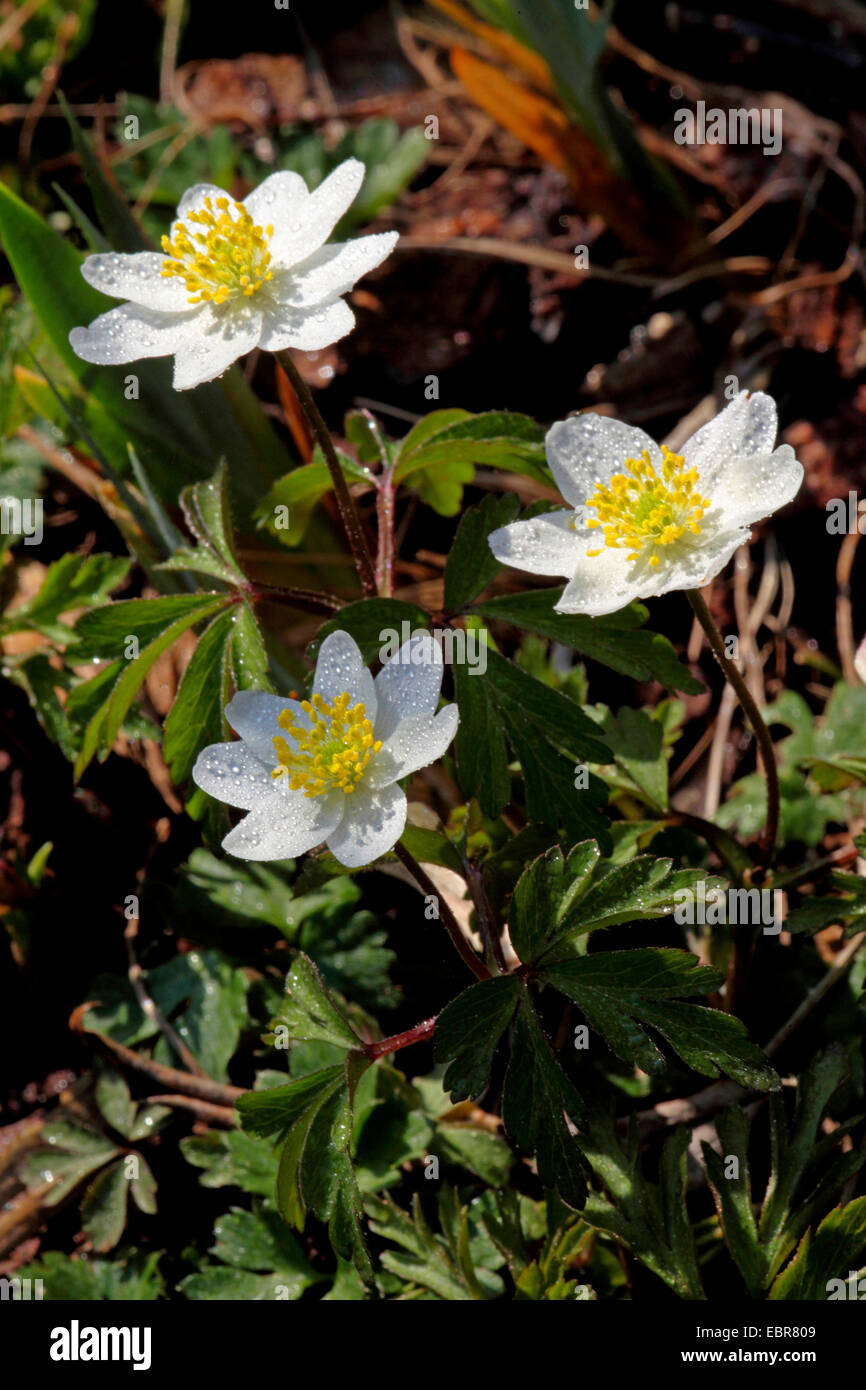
393	1044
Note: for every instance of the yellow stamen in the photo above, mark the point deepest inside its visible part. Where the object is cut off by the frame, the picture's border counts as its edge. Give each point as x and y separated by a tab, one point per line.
642	509
332	755
229	258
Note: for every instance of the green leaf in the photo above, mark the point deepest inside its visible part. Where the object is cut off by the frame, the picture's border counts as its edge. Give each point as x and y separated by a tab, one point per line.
479	745
837	1247
231	1158
260	1258
308	1013
471	563
196	717
637	742
614	640
595	894
103	1210
537	1098
313	1116
622	993
544	894
115	1102
378	625
729	1176
128	1277
203	994
300	490
115	218
106	722
648	1217
468	1031
75	581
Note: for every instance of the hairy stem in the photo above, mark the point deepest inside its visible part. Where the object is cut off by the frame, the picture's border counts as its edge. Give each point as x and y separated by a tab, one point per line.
397	1040
348	510
449	921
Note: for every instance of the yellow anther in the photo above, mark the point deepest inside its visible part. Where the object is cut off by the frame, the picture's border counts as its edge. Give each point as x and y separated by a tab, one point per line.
333	753
230	256
641	509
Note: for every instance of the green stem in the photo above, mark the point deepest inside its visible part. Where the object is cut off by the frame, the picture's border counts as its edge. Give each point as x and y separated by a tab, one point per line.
348	510
753	714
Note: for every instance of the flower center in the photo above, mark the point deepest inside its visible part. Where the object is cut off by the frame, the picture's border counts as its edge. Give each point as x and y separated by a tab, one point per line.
229	256
333	754
642	509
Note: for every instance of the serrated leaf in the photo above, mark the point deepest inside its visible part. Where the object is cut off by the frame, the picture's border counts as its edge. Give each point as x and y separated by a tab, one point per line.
308	1012
536	1100
196	717
837	1247
468	1031
623	992
614	640
471	563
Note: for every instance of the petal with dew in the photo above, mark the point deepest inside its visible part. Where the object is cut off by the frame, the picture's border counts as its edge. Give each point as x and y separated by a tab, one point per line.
754	486
310	226
748	425
545	545
585	449
280	200
339	668
232	773
226	334
415	743
373	823
137	277
131	331
286	826
333	270
310	330
409	683
254	715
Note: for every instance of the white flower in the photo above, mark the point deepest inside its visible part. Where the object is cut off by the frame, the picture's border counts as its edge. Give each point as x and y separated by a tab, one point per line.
643	520
235	276
326	770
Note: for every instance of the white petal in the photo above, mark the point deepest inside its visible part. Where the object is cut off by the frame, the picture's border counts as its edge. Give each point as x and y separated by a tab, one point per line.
697	567
307	329
601	584
545	545
286	826
332	270
130	332
233	774
587	448
339	668
755	486
225	333
297	236
747	426
280	200
409	683
254	713
137	277
415	743
194	198
373	823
